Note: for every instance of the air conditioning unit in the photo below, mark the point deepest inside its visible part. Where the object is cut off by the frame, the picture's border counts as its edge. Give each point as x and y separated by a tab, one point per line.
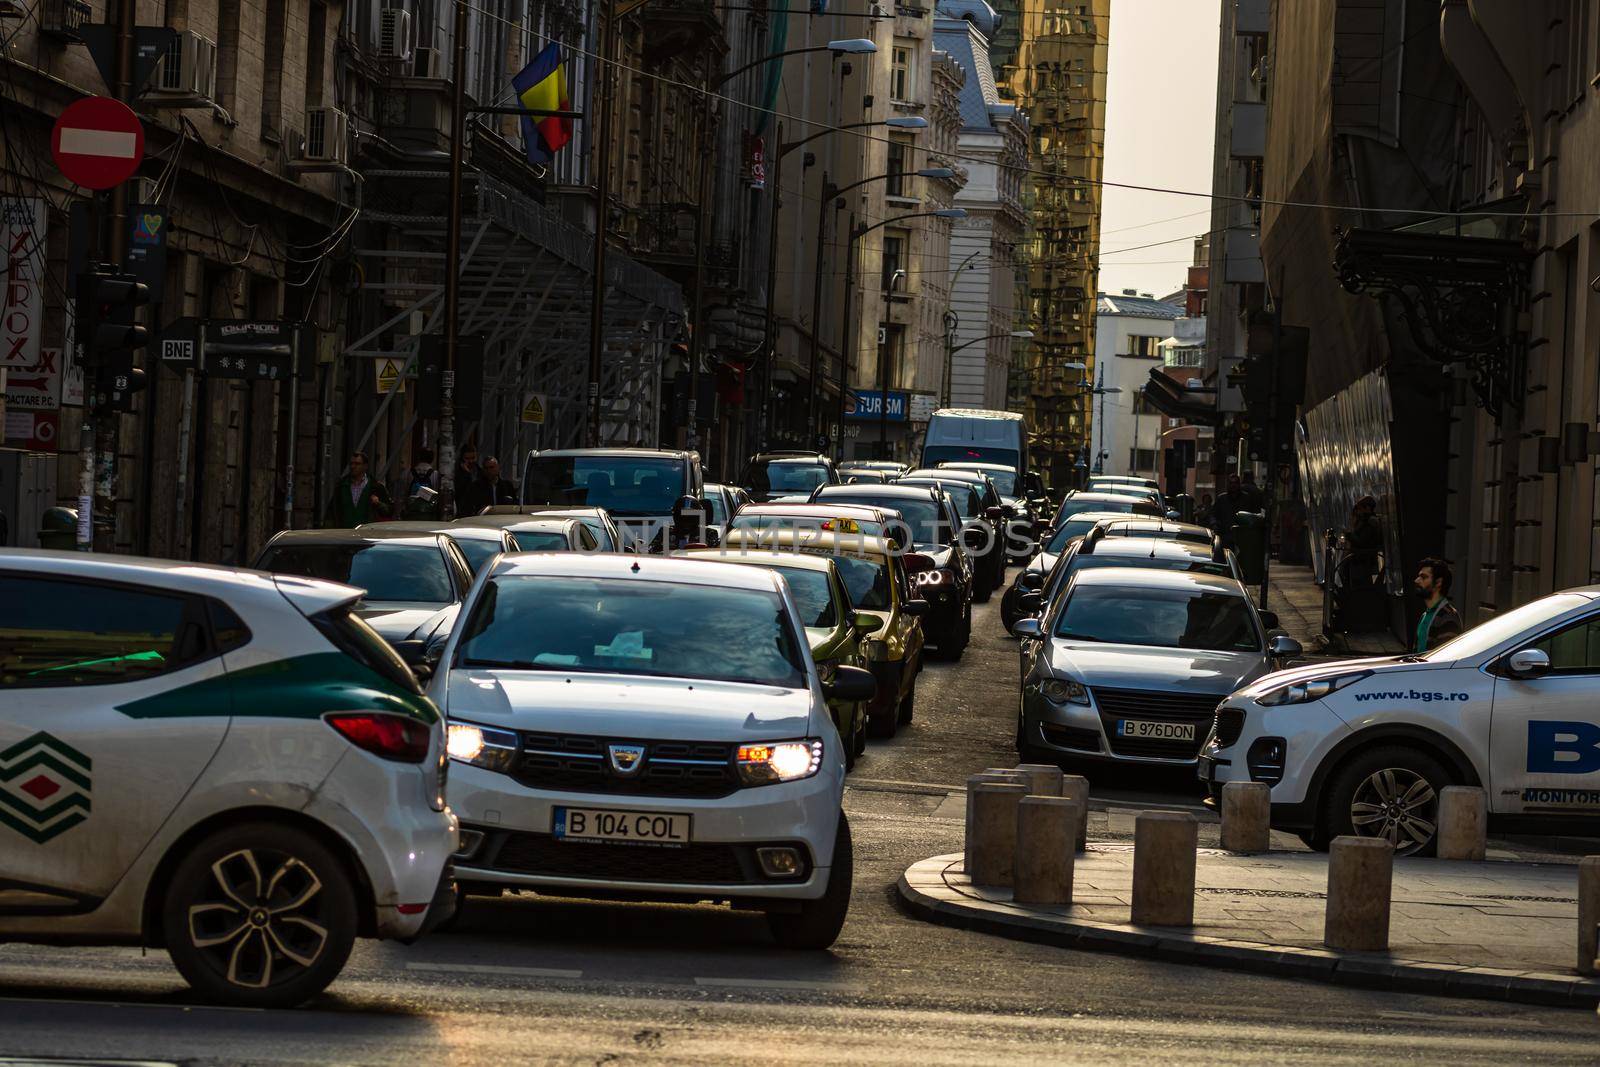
427	63
878	11
188	72
62	19
394	34
327	136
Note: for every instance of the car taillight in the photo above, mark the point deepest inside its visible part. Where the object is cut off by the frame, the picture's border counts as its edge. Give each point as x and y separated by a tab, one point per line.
389	736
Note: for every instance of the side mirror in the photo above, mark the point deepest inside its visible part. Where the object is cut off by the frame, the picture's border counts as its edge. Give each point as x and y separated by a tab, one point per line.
864	623
1269	619
915	608
1173	515
415	653
995	514
1030	603
850	685
1026	629
1528	663
1030	581
917	562
1282	646
974	537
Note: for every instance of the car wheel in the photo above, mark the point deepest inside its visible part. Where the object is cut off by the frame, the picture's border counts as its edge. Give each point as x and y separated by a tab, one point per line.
883	723
907	705
260	916
1390	792
1009	611
818	922
981	590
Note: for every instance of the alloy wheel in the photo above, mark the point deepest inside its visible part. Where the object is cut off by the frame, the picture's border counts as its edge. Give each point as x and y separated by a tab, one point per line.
1398	805
260	919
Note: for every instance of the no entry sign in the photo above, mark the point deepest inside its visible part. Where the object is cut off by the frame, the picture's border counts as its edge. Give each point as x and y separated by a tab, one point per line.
98	142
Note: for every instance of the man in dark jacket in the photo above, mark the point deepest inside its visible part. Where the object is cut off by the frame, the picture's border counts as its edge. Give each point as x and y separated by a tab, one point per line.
496	489
358	498
1440	621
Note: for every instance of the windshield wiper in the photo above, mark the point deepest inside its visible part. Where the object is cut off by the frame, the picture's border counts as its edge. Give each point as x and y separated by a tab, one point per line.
514	665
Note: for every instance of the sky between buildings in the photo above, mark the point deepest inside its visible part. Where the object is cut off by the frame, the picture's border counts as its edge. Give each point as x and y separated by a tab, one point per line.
1160	127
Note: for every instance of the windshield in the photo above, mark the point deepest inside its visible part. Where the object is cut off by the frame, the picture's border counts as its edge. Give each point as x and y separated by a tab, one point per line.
867	580
1074	506
1067	531
966	500
540	540
386	570
925	518
785	476
478	550
623	485
628	626
933	455
813	595
1493	632
1162	618
1182	563
1005	482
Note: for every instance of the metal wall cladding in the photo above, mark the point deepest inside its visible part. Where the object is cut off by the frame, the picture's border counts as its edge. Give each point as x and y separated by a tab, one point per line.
1345	454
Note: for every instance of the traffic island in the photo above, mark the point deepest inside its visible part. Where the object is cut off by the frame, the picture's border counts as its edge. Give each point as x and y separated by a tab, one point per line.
1499	931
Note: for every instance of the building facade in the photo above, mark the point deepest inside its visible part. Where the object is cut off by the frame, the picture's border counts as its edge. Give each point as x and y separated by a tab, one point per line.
1131	331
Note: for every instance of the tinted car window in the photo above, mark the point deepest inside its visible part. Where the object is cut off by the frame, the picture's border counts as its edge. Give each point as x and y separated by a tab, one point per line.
1162	618
1574	650
622	626
63	633
926	518
349	634
1082	562
785	476
386	570
478	551
719	508
936	454
1070	507
813	595
623	485
540	540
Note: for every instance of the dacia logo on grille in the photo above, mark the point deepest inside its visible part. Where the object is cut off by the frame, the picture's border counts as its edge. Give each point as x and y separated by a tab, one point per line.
626	760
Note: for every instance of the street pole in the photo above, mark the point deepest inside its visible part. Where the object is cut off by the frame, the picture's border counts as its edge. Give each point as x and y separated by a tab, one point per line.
769	326
697	333
1098	466
847	343
605	86
812	395
883	392
952	322
452	267
1269	490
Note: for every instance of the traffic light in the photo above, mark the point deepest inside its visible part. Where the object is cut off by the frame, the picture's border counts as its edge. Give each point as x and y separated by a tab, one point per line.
110	335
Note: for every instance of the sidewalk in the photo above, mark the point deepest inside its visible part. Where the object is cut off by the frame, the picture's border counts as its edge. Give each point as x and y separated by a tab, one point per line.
1294	594
1503	931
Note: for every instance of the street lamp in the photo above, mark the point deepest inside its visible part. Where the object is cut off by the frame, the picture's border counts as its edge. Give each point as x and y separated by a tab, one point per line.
847	344
828	194
1102	392
952	320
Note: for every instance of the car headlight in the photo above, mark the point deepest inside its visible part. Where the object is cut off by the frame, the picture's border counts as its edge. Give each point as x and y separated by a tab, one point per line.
933	577
1306	692
780	761
1064	691
481	746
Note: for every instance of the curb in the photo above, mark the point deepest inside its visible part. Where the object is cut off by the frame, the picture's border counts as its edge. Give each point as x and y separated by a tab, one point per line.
1366	970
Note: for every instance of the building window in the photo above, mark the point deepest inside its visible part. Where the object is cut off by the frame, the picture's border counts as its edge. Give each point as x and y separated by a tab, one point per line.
272	73
1187	356
316	45
900	74
894	261
899	158
1144	346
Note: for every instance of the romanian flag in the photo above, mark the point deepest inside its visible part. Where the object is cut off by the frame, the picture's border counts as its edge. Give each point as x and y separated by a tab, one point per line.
542	86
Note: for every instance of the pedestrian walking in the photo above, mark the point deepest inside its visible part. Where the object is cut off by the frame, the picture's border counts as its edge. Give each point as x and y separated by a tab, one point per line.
421	491
1440	620
358	498
1225	512
471	495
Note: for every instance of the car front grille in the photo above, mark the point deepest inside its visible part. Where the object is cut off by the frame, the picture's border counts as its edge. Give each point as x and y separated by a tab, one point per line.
698	863
1155	705
1075	737
580	763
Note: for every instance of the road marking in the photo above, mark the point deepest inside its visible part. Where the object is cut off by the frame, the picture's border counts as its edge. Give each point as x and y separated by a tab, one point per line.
779	983
477	968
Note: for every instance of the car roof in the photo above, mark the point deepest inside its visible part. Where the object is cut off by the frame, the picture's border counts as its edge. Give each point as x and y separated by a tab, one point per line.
538	509
1147	522
1096	516
790	457
365	535
975	465
636	568
1151	548
1101	494
852	544
637	453
1150	578
953	474
978	413
893	490
821	510
765	557
436	526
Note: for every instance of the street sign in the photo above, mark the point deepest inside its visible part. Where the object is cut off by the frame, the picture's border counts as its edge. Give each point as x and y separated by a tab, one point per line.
389	378
98	142
923	405
147	247
533	409
180	342
869	405
262	351
150	43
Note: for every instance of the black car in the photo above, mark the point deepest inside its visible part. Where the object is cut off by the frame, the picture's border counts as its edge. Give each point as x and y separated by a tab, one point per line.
944	575
977	501
773	476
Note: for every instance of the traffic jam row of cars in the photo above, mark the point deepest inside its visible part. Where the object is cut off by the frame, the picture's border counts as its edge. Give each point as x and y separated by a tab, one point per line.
632	686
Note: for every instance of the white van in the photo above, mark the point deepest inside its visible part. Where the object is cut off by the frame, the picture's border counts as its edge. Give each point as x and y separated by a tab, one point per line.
976	436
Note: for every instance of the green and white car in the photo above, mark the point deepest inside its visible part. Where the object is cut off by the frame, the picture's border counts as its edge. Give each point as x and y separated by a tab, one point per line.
225	763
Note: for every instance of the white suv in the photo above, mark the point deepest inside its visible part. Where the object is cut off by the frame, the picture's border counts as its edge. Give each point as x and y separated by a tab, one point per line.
1364	746
226	763
648	728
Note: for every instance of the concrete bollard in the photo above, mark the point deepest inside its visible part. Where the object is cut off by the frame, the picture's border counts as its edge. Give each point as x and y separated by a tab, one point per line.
1463	823
1044	779
1360	880
1589	915
1076	787
1002	776
994	832
1163	868
1247	817
1044	858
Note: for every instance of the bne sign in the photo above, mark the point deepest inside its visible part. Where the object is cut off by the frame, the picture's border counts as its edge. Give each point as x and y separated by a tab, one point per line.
870	405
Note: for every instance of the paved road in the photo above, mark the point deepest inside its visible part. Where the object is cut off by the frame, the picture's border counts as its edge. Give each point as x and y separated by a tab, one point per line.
530	980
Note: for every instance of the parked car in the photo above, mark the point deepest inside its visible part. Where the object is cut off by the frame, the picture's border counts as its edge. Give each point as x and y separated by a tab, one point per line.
770	476
1365	747
603	747
479	544
934	530
412	583
876	578
606	533
835	630
222	763
1128	666
656	496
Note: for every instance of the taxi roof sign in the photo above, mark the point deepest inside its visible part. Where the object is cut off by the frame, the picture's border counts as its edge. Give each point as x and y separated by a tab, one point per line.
842	524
